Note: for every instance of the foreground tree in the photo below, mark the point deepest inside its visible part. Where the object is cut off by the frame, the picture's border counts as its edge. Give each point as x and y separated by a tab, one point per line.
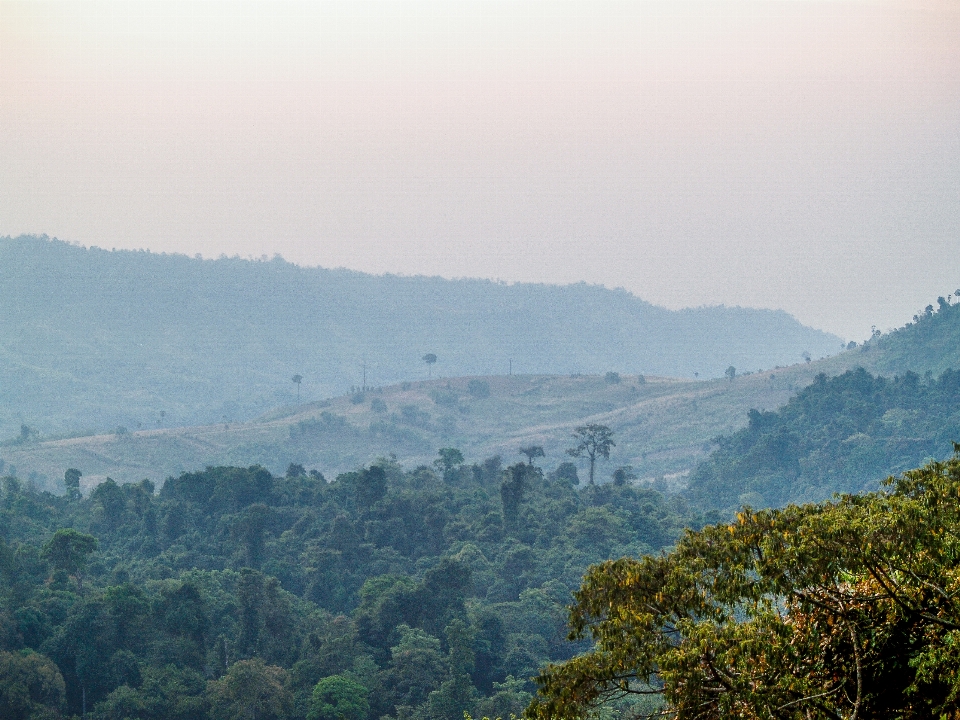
593	441
30	687
847	609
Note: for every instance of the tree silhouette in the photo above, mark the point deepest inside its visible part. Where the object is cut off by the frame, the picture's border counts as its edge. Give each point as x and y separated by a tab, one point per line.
532	451
623	475
297	379
449	460
430	359
593	441
71	481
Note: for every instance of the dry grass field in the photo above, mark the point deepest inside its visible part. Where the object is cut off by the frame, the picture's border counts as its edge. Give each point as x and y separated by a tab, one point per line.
662	426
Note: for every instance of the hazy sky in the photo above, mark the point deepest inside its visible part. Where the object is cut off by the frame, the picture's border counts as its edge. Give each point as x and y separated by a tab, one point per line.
772	153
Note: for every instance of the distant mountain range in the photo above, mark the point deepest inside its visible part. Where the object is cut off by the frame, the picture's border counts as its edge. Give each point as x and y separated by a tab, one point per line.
92	339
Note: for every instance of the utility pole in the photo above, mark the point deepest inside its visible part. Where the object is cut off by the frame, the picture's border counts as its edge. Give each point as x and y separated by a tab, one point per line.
364	375
511	366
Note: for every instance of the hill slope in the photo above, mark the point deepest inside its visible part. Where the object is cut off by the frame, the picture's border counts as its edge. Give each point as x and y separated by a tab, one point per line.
839	435
663	427
845	434
93	339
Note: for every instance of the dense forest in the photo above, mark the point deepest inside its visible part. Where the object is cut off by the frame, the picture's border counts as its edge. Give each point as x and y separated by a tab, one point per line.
384	593
930	343
92	339
845	434
838	435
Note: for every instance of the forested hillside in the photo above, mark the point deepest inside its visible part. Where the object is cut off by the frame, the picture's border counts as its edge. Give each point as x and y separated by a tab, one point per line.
842	434
931	343
384	593
93	339
847	433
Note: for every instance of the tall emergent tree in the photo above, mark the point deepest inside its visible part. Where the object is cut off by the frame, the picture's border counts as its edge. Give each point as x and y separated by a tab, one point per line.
71	481
593	441
847	609
448	461
532	451
430	359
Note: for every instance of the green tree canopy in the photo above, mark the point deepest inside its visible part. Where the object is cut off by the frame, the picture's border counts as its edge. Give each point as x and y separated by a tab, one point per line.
71	481
251	690
338	697
68	551
30	687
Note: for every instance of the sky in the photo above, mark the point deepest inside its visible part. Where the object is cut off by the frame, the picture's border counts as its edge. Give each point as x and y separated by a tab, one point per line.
794	154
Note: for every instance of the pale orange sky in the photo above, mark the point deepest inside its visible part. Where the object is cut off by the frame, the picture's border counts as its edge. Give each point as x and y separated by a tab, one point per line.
774	153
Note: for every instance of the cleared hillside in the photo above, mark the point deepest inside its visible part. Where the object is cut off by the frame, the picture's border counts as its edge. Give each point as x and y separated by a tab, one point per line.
92	339
663	427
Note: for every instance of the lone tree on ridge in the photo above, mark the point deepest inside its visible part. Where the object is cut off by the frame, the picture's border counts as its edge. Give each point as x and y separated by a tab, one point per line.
593	441
532	451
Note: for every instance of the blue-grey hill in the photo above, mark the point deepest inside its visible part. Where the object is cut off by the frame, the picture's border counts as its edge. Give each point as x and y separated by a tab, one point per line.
93	339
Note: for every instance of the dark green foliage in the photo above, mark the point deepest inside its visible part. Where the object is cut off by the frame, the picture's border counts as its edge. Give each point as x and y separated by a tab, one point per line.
931	343
371	487
71	481
449	463
31	687
566	472
839	434
251	690
512	489
165	693
436	590
67	551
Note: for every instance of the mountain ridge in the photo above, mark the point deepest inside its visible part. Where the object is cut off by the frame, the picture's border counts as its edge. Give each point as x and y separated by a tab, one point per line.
95	339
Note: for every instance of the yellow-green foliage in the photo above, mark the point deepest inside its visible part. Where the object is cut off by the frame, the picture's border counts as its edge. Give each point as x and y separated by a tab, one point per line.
834	610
